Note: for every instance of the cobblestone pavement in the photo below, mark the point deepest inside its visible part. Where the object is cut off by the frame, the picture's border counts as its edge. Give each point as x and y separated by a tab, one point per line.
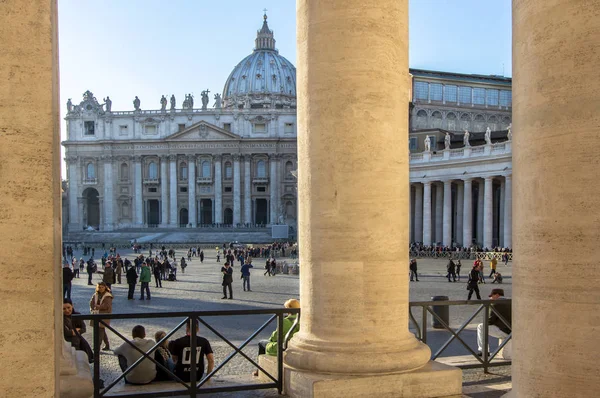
199	288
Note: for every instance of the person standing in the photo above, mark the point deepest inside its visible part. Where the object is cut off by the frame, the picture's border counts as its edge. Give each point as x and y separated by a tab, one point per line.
246	276
268	267
90	270
201	256
131	281
108	274
157	271
227	272
145	281
451	269
67	278
101	303
413	270
458	265
493	265
472	284
119	270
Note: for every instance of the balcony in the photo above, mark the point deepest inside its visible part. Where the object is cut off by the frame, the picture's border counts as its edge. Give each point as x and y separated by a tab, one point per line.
90	181
260	180
151	181
204	180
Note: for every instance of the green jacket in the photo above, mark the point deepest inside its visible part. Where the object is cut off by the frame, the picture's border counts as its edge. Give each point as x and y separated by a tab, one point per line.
145	274
288	321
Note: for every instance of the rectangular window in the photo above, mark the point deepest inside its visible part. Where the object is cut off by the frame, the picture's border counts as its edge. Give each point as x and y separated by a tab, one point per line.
260	128
89	128
421	90
205	189
261	189
227	189
181	127
288	128
183	189
123	130
491	97
464	95
152	190
479	96
227	126
150	130
450	94
435	92
505	98
412	143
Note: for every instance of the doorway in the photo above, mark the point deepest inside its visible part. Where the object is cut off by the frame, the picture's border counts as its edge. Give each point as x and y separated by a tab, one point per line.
228	217
153	212
183	218
206	211
262	212
91	212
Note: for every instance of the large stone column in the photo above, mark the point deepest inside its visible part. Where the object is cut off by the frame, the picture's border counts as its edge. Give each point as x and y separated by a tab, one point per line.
501	214
137	187
427	213
447	213
74	181
273	188
108	193
247	191
173	219
164	192
237	200
343	46
192	213
439	208
468	213
508	211
418	234
488	212
218	190
480	193
460	197
556	54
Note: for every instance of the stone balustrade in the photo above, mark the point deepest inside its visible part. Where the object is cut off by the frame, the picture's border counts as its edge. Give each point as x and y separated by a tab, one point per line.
480	151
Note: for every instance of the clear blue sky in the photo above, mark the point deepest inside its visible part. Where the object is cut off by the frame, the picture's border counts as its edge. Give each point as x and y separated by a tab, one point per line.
149	47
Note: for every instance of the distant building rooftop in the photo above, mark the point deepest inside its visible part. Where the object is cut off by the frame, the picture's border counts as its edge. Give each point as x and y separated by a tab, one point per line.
490	79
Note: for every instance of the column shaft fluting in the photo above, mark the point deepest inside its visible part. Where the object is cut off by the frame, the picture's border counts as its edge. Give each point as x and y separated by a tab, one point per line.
108	194
218	191
342	48
192	214
488	207
273	188
501	214
508	211
164	192
468	213
427	213
480	192
75	217
460	193
447	213
173	220
247	191
237	200
137	181
439	210
418	234
556	99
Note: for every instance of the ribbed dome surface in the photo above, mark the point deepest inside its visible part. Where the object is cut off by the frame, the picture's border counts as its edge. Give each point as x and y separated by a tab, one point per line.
263	78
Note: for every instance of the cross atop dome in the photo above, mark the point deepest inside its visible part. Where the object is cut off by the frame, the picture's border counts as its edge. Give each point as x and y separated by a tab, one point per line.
264	37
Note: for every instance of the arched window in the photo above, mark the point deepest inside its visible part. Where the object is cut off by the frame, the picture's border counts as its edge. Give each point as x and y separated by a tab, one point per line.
290	209
421	113
152	171
124	172
90	171
289	167
183	171
436	118
261	171
228	171
125	209
451	116
206	168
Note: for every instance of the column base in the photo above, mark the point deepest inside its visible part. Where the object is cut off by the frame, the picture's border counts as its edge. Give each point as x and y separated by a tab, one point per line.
431	381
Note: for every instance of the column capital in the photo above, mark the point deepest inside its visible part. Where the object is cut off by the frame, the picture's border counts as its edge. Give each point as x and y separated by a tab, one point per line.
217	158
136	158
274	156
488	178
235	157
163	157
172	157
107	158
191	157
71	159
508	176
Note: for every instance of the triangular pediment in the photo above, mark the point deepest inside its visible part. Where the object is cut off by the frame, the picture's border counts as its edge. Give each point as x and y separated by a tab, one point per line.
203	131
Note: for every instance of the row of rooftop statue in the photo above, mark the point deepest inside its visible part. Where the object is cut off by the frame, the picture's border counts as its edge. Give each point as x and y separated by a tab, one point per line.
466	136
188	103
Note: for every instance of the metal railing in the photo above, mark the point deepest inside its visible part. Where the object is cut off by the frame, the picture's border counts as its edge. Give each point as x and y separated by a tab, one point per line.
461	255
195	387
487	306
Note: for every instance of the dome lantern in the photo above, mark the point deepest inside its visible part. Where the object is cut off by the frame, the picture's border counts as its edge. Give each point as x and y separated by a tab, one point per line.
264	37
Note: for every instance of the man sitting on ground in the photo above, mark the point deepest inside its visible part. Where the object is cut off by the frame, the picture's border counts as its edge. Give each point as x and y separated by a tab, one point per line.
181	353
145	372
497	328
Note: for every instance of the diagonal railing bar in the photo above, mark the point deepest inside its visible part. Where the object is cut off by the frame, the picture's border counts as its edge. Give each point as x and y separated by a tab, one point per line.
460	329
501	346
144	356
288	335
414	321
504	321
448	328
237	350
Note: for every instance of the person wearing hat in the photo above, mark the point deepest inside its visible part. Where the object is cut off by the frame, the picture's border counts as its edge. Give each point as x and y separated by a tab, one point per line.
496	327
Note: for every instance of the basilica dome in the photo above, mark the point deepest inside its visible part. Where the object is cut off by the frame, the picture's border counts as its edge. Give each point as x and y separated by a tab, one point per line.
264	79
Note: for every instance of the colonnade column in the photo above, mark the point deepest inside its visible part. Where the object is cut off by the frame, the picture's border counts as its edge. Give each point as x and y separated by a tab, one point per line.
508	211
340	43
439	206
480	193
236	190
488	208
247	191
418	213
427	213
557	196
460	193
173	221
218	190
467	213
192	213
164	192
501	214
75	219
108	193
447	213
137	183
273	188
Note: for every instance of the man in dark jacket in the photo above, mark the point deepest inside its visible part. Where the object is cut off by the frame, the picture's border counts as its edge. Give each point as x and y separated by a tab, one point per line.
90	270
413	270
131	281
496	326
67	278
451	269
